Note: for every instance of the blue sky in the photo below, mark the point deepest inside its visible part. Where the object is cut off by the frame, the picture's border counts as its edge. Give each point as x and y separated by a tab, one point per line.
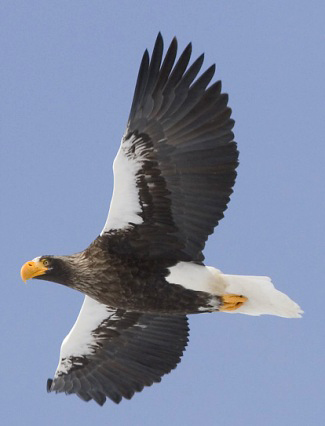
67	76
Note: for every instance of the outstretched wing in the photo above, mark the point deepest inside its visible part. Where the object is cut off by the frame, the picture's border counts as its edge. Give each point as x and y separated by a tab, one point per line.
175	169
114	353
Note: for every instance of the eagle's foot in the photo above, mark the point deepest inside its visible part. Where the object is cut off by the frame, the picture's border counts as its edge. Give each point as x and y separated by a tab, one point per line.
230	302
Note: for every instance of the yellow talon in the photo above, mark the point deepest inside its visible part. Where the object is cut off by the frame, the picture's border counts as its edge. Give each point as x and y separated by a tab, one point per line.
230	302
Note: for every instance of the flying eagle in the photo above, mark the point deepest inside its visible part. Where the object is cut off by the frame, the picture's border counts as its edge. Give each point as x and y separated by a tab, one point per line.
144	273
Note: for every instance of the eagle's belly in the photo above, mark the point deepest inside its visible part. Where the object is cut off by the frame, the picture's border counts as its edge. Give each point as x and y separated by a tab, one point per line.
164	298
142	287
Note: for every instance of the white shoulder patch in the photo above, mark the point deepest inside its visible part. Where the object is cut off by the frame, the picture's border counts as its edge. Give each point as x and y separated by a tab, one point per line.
80	341
125	205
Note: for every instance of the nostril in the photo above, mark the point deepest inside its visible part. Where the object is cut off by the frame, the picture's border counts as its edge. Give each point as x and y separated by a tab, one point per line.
30	263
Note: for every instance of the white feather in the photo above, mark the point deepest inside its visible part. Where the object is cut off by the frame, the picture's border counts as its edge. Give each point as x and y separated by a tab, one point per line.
125	206
263	297
196	277
80	341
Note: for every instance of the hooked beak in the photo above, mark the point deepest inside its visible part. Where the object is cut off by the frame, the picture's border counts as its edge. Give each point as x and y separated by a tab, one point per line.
32	269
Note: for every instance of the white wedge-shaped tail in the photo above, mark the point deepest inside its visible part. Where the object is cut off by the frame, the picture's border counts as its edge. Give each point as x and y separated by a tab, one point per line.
263	297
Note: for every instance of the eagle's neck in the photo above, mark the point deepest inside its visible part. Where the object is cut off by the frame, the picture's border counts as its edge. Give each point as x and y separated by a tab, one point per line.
90	272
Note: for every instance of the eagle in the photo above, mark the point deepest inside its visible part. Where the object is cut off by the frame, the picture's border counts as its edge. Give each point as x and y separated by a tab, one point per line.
173	177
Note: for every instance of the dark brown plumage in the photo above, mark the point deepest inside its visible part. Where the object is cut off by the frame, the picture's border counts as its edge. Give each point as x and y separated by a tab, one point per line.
174	174
125	282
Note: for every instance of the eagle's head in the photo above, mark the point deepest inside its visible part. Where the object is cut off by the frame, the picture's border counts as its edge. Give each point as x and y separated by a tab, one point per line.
49	268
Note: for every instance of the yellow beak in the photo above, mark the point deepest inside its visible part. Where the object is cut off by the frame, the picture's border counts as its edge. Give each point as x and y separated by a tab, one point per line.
32	269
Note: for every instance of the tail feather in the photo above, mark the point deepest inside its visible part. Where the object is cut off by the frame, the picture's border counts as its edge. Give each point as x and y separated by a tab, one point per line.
263	297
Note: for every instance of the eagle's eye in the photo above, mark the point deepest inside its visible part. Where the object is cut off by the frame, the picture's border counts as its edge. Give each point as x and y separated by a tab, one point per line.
45	262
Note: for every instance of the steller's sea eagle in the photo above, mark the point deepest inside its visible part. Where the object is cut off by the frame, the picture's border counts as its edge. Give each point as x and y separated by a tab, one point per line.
173	176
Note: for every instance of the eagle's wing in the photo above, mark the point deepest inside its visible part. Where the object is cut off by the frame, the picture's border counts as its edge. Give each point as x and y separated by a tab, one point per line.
175	169
114	353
